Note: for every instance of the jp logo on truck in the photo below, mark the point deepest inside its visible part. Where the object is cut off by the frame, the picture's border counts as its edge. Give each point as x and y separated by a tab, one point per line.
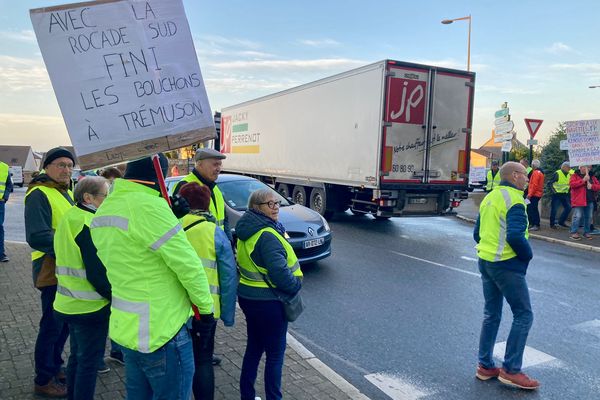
406	101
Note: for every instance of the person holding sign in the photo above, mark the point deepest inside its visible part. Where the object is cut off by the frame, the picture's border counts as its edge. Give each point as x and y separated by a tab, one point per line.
156	276
584	188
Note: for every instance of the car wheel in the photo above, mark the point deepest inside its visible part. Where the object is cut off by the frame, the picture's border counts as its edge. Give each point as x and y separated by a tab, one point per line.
299	195
283	190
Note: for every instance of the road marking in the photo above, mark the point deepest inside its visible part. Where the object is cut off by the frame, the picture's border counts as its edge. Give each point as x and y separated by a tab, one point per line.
395	387
531	356
592	327
468	258
535	290
436	264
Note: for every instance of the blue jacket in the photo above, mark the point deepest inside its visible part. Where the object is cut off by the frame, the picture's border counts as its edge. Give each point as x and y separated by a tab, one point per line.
269	254
228	278
516	226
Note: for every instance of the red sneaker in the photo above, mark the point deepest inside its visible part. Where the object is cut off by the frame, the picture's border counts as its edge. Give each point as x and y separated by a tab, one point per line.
484	373
519	380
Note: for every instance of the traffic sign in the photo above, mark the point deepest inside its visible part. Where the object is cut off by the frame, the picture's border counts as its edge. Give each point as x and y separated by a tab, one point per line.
533	125
532	142
501	113
499	138
501	120
508	136
507	146
505	127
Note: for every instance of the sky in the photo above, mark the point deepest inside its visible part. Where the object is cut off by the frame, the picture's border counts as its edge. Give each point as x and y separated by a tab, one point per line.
540	57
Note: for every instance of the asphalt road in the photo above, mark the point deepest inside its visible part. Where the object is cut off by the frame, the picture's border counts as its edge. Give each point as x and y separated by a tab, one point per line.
397	309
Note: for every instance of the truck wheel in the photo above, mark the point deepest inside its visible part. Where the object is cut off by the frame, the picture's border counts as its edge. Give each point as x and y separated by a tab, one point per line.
299	195
283	190
318	202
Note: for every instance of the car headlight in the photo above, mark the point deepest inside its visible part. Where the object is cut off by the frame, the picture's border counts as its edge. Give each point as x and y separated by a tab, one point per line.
325	224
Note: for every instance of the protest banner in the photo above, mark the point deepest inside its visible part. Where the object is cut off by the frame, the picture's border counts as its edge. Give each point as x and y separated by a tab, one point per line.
583	140
126	77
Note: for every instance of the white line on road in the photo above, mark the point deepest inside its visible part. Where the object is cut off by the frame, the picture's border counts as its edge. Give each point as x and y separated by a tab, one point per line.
592	327
531	356
395	387
468	258
436	264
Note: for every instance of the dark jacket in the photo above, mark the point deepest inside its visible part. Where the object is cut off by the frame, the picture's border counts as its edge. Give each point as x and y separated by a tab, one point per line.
268	253
9	187
516	226
38	228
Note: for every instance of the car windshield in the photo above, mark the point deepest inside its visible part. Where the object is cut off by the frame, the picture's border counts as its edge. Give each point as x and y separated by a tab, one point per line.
237	193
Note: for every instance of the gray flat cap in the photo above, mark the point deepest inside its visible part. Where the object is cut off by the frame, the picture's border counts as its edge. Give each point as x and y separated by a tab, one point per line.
203	154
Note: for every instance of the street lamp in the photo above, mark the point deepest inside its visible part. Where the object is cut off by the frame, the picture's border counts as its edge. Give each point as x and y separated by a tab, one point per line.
449	21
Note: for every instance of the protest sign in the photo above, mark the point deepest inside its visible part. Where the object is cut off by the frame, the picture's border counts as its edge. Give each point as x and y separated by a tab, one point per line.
583	140
126	77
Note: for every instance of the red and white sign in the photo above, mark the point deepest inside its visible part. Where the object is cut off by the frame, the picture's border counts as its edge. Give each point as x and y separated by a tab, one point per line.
533	125
407	101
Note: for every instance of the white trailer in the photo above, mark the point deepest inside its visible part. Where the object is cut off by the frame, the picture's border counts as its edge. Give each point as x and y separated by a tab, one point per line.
390	139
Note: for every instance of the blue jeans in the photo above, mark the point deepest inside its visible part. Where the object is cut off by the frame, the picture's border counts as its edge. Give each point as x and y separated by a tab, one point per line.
50	342
2	210
578	213
267	329
87	350
498	284
560	199
165	374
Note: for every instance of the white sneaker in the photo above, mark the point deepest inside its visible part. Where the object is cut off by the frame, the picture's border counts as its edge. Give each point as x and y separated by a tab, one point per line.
257	398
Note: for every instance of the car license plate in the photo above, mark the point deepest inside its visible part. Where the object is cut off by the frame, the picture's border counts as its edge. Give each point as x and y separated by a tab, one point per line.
313	243
421	200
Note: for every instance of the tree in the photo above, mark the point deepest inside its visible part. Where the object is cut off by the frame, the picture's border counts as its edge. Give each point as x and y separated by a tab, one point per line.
552	156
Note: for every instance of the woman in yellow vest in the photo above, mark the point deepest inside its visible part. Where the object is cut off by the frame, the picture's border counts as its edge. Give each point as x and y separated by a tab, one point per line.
83	292
214	249
264	254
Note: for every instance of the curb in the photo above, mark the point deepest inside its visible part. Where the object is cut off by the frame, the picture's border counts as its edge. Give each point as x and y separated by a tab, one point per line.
324	370
580	246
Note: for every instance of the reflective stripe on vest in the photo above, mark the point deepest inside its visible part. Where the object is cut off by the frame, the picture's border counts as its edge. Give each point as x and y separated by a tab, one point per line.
562	183
59	205
492	229
492	182
112	221
250	272
217	210
3	177
164	238
75	294
202	238
142	311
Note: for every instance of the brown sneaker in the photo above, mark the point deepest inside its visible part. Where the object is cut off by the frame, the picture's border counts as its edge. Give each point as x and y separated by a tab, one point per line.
484	373
588	236
61	377
51	389
519	380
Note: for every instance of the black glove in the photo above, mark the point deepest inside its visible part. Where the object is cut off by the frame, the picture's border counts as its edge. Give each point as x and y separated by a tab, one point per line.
200	325
179	206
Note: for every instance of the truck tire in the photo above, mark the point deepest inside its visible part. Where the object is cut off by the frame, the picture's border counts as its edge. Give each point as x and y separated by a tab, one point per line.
299	195
283	190
318	202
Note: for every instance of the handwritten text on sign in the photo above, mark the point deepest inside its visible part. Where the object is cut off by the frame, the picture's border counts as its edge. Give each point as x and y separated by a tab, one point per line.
583	139
124	72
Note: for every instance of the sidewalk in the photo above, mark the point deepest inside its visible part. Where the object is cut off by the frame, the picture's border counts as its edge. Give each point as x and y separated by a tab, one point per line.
304	376
469	210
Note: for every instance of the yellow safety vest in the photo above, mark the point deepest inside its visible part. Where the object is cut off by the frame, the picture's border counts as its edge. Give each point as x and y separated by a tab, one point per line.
562	183
3	177
218	209
74	293
202	238
59	205
148	261
492	182
250	273
492	245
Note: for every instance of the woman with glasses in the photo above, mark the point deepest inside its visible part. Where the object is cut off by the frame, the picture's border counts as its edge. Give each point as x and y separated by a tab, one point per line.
269	271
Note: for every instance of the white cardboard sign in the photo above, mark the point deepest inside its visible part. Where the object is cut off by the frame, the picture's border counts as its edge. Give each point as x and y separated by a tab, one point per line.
126	77
583	139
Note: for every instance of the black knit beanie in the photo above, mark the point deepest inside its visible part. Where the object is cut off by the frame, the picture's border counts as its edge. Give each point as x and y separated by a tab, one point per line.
55	153
143	169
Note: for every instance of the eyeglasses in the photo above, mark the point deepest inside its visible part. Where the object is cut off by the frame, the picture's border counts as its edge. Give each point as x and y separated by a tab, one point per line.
63	165
271	204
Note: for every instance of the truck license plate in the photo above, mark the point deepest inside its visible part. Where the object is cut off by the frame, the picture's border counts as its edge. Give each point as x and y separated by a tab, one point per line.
417	201
313	243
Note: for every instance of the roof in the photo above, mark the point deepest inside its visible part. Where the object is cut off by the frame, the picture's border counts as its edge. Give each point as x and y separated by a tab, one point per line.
15	155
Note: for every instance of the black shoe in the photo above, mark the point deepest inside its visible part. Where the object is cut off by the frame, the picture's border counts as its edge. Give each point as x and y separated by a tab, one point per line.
4	259
117	357
554	227
564	225
216	360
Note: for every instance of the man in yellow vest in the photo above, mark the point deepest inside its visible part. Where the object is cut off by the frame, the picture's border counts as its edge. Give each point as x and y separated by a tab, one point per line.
47	199
214	249
83	293
5	189
493	177
559	187
205	172
155	277
504	254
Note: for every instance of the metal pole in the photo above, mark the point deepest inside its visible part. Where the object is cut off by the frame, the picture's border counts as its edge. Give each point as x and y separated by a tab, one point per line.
469	47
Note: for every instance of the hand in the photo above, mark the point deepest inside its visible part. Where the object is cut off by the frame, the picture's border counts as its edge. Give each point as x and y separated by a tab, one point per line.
179	206
589	185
